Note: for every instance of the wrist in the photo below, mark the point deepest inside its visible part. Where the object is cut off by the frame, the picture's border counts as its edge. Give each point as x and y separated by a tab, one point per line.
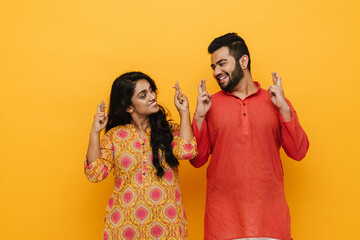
286	113
284	108
94	132
199	116
184	112
199	119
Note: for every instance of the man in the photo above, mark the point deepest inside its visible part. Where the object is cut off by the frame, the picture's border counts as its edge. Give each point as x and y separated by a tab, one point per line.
243	127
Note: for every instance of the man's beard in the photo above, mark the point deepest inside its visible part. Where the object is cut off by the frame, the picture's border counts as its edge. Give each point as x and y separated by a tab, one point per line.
234	79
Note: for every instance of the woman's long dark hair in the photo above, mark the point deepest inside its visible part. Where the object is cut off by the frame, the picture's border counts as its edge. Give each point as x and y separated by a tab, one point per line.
161	137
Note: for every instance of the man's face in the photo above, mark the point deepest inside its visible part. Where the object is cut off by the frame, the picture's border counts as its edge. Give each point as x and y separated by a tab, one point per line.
226	70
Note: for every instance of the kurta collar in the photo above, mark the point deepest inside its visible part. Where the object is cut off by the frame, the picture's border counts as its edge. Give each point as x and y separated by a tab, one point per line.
131	127
255	93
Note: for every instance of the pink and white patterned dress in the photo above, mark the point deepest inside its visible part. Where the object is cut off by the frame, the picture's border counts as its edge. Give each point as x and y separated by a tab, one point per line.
142	205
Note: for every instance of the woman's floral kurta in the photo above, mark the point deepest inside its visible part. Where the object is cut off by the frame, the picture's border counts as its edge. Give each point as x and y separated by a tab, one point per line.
142	205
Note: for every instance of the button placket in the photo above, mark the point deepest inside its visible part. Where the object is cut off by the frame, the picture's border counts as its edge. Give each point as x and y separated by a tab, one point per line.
143	159
245	118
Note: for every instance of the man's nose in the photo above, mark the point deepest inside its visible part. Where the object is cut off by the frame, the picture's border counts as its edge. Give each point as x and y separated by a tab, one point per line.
217	71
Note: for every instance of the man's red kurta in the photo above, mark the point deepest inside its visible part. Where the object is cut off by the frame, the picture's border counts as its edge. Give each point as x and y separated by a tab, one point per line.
245	190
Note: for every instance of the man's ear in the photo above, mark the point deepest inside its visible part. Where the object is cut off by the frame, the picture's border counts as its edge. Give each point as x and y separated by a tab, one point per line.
243	61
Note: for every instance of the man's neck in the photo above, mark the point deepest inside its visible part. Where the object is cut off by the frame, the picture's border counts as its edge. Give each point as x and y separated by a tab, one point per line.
245	87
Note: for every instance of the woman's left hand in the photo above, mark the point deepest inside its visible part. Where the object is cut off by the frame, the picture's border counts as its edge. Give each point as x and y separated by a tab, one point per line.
180	100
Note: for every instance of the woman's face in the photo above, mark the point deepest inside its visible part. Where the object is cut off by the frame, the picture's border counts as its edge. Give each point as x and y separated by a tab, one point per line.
143	102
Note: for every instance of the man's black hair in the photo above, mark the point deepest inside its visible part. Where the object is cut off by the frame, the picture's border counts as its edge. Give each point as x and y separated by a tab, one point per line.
237	46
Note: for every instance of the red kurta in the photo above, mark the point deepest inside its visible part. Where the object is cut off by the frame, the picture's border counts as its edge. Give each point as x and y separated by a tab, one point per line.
245	190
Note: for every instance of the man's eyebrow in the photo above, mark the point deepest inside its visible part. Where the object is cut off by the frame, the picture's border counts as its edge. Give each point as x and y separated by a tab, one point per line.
223	59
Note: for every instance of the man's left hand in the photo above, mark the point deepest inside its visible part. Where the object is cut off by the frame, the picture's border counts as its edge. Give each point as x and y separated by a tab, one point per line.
278	97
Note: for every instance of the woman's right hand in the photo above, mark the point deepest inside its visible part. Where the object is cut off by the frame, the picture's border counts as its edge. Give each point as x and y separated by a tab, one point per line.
100	118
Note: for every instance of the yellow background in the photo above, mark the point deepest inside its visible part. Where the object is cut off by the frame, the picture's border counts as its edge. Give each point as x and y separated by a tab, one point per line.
58	60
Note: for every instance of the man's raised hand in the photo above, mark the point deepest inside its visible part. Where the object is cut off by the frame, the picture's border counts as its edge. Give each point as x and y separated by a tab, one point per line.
278	97
203	103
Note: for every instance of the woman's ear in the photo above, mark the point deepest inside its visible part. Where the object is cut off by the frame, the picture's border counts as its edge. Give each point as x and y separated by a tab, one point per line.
130	109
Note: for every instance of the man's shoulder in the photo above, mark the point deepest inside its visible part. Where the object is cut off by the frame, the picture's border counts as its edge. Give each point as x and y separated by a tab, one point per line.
263	93
219	95
220	98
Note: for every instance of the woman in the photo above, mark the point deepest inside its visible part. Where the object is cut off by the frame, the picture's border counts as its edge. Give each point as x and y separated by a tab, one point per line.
143	148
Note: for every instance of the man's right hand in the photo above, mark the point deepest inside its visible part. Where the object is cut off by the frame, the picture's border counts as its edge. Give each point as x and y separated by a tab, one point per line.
203	104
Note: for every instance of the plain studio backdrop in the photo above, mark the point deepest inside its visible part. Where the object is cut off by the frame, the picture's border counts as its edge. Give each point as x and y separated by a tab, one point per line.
58	60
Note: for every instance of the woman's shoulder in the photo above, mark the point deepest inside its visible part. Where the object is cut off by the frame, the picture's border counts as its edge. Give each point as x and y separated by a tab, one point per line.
175	128
174	125
120	130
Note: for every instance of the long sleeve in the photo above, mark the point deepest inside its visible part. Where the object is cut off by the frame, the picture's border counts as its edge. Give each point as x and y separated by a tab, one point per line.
203	144
100	168
182	149
293	138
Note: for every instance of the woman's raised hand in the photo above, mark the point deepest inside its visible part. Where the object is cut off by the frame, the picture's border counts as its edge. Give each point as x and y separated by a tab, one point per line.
100	118
180	100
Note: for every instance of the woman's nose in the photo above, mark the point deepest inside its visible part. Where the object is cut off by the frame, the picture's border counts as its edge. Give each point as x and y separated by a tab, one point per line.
152	96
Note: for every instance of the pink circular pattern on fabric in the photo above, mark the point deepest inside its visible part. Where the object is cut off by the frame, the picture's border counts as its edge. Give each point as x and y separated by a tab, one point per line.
139	177
111	203
168	175
106	236
129	233
155	194
115	217
188	147
137	145
177	195
122	134
170	212
126	161
156	231
151	158
141	213
188	156
118	183
128	197
180	231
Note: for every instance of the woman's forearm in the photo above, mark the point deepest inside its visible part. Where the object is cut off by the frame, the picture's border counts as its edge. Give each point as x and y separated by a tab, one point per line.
186	132
93	151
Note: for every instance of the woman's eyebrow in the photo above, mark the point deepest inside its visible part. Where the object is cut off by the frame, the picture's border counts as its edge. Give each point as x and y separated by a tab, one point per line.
143	91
